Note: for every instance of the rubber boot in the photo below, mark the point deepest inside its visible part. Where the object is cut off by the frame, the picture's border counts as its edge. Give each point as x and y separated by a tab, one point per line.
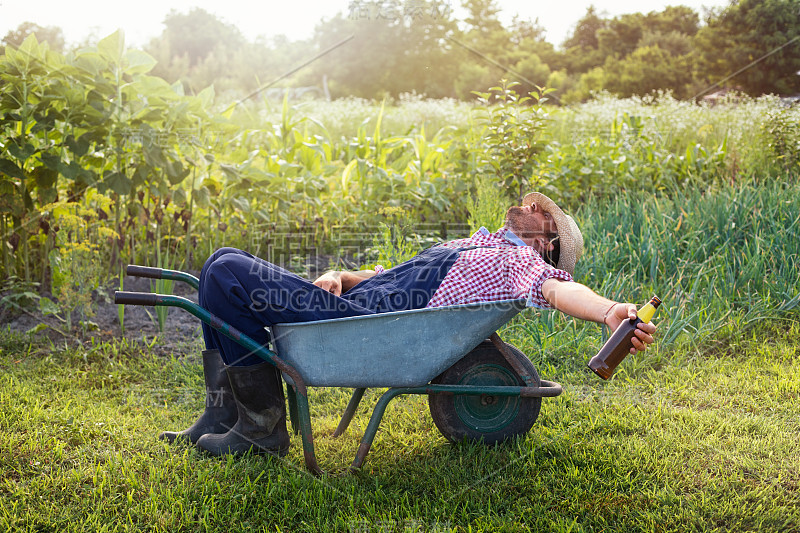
220	414
261	427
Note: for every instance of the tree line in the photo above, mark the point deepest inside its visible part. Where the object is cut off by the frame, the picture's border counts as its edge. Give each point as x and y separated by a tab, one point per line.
389	47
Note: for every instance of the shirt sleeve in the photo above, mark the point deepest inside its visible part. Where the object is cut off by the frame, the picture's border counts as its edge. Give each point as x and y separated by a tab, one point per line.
528	272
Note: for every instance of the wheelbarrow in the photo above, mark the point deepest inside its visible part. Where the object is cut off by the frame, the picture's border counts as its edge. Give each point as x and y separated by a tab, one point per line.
479	388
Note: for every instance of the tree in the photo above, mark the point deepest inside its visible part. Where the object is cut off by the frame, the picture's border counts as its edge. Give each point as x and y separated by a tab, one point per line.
589	82
470	76
52	35
391	52
490	53
646	70
585	33
631	54
673	42
197	49
534	70
482	16
754	36
680	19
621	35
522	31
582	49
198	33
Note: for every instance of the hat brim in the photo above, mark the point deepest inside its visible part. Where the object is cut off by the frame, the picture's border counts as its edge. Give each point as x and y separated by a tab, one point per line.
569	235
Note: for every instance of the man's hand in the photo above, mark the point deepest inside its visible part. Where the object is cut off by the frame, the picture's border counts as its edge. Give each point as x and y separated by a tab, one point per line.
339	281
581	302
643	334
331	282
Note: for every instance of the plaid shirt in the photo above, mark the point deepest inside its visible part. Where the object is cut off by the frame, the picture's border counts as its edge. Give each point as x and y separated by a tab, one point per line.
506	269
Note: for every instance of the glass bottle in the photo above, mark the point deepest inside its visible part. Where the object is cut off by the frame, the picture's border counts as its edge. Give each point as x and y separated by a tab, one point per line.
619	344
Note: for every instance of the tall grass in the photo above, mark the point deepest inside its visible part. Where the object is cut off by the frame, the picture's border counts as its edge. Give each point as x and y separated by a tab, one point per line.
722	260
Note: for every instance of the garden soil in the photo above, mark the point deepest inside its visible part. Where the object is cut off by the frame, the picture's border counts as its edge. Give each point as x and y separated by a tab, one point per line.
141	323
181	332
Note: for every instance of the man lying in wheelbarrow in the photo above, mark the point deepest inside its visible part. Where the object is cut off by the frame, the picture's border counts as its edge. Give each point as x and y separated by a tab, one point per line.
532	256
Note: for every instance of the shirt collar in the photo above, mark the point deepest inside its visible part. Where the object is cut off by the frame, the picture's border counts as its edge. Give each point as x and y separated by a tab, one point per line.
503	233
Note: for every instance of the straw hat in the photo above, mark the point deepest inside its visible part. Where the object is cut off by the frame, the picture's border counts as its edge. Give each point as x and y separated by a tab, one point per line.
569	236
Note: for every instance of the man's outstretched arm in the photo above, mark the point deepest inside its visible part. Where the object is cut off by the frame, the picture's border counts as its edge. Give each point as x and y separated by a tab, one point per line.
341	281
582	302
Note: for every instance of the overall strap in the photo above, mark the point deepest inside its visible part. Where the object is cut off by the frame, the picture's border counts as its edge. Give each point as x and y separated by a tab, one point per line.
409	285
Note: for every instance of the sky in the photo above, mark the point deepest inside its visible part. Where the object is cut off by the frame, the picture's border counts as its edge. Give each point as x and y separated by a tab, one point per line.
142	20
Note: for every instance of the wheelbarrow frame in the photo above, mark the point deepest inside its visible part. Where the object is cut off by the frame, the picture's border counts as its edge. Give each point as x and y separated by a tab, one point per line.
299	412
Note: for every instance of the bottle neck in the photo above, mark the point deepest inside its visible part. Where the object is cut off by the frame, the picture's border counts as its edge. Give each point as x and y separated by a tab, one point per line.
648	311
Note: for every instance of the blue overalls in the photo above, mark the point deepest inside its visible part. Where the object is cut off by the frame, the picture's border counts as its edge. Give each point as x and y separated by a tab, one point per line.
251	294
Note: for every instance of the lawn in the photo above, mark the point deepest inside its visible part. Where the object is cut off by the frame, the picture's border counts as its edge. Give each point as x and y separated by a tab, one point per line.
685	437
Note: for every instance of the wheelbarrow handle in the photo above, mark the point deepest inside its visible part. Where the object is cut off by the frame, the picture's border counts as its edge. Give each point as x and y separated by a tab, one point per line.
143	271
162	273
136	298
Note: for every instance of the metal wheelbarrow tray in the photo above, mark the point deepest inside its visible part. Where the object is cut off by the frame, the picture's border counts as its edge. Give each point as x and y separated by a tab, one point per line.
477	389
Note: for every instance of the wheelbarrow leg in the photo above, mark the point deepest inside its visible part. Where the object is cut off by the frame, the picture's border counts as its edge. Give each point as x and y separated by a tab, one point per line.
372	427
291	397
306	433
352	405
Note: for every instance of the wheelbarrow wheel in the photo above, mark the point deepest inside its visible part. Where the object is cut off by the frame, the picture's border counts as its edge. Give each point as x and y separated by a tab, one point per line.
486	418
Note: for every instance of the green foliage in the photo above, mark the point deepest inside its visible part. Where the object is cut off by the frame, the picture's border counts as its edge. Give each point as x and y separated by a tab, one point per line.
722	259
375	50
624	34
163	286
782	128
753	40
396	241
18	294
197	50
121	308
76	265
514	135
627	157
647	70
635	54
181	179
92	121
391	52
52	35
488	208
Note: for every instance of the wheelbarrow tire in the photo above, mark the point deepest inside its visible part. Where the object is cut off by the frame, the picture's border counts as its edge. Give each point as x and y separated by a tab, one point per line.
485	418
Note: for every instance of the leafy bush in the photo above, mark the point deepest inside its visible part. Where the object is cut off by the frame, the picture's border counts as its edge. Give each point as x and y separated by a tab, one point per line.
782	128
627	157
513	136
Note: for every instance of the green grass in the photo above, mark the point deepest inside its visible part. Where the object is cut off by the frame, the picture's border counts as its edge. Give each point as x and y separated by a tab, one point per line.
683	438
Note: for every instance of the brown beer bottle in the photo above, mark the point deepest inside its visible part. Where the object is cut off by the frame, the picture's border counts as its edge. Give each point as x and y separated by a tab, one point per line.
619	344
